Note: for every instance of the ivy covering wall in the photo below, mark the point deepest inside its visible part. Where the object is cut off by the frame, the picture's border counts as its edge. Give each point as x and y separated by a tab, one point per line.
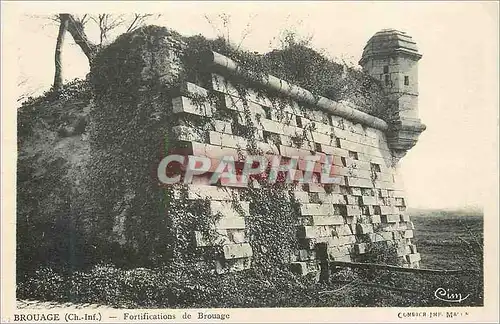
112	131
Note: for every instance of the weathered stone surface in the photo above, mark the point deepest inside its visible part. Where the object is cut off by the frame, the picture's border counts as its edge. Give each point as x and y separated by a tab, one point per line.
236	251
408	234
187	105
413	257
299	268
364	228
360	248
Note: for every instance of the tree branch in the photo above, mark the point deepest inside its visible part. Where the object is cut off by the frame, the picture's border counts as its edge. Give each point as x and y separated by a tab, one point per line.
363	265
76	30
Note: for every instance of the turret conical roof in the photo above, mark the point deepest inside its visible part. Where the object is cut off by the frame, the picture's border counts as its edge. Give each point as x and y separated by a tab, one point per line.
388	42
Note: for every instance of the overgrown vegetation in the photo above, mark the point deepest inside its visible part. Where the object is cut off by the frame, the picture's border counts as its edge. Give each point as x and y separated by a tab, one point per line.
301	65
98	201
180	287
51	171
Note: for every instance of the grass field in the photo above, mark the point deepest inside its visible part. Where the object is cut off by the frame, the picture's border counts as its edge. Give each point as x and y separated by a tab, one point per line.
442	238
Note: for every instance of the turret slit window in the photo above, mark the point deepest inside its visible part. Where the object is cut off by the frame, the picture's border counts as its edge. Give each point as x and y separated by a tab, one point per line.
407	80
386	69
387	79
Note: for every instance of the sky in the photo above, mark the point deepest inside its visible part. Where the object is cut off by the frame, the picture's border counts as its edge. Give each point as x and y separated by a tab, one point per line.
454	163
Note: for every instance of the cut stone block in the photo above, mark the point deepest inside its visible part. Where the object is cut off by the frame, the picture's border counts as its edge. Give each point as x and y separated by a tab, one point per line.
364	228
386	210
351	219
351	145
268	148
314	187
285	140
369	200
392	218
195	192
229	208
222	126
239	104
332	198
301	196
232	265
413	257
352	200
226	140
362	174
236	251
402	250
360	248
220	84
308	231
305	221
343	230
405	217
283	117
335	151
344	258
230	223
355	191
299	268
381	236
279	128
237	236
336	252
388	201
315	115
324	230
346	240
353	210
316	209
322	138
359	182
408	234
323	128
192	90
327	220
306	255
397	235
187	105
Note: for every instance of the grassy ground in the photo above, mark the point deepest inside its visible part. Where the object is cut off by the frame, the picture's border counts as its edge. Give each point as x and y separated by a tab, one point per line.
442	236
445	240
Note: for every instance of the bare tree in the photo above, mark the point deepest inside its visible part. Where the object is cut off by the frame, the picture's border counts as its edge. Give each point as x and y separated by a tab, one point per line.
58	79
138	20
76	27
106	23
221	25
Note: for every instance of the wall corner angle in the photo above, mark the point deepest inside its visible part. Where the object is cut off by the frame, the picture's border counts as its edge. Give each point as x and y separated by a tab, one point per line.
403	134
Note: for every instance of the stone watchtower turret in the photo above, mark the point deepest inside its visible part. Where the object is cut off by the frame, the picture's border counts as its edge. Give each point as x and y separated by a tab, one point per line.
392	57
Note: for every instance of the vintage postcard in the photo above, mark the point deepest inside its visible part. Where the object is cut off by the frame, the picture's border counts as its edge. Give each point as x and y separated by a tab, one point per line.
169	162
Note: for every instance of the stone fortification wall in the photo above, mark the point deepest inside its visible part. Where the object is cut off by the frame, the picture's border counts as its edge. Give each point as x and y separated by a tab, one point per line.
153	97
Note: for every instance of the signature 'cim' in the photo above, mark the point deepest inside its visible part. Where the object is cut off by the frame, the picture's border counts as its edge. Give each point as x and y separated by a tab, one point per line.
445	295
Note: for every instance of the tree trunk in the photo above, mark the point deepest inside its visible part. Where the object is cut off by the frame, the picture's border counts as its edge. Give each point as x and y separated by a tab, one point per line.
76	30
58	77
